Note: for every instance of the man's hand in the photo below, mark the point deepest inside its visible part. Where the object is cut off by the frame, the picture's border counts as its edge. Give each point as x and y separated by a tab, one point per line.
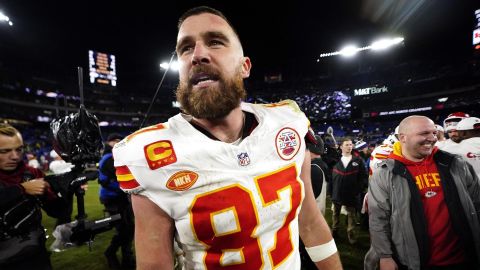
388	264
35	187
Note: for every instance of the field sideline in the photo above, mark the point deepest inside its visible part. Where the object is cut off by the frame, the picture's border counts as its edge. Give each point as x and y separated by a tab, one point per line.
81	258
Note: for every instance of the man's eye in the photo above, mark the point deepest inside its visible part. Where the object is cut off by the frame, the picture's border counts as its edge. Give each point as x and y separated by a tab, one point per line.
215	43
185	49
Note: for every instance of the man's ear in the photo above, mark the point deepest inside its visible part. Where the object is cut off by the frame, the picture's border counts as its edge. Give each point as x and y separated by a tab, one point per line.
246	66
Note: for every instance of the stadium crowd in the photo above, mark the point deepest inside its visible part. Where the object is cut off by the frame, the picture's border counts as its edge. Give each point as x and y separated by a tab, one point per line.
412	181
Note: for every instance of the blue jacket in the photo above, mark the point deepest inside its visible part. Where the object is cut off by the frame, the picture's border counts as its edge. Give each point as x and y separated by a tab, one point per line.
106	177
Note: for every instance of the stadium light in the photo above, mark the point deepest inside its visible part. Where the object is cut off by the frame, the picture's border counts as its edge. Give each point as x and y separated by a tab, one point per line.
350	50
4	18
386	43
174	67
444	99
381	44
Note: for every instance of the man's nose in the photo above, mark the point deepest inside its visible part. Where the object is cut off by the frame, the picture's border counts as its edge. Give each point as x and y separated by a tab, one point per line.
15	155
432	137
200	54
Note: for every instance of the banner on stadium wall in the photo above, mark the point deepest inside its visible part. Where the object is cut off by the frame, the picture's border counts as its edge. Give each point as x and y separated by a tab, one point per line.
394	112
370	91
273	78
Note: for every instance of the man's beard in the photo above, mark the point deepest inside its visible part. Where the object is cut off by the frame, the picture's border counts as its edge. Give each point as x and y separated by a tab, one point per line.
211	102
456	138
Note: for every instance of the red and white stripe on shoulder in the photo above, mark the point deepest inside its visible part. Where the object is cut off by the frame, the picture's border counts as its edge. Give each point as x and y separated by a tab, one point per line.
125	178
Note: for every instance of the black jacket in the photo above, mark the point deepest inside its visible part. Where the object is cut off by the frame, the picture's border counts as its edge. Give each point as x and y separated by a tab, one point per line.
317	166
348	182
12	194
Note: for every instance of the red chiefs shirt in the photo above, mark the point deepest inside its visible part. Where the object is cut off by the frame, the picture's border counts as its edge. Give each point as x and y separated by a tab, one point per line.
444	244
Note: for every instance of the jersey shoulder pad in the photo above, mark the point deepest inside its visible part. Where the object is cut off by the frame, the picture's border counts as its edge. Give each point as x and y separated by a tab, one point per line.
130	151
287	103
286	109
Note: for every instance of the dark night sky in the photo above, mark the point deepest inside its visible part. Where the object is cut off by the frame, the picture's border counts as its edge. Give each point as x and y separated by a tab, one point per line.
279	36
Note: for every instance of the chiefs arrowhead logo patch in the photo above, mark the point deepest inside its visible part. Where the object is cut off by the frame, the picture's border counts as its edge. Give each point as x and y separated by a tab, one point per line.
182	180
288	143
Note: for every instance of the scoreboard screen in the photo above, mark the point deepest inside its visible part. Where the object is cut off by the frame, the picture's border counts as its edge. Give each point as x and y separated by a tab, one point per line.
476	29
102	68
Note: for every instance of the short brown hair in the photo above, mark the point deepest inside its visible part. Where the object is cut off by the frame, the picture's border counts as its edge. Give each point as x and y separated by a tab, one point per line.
8	130
204	9
346	139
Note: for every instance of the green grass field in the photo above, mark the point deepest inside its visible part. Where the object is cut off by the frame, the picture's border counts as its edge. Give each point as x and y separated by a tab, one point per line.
82	258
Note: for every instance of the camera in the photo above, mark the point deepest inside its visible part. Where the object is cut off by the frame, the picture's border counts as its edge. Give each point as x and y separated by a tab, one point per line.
81	230
68	183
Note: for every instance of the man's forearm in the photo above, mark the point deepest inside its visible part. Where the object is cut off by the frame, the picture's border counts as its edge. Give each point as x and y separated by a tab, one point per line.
332	262
317	235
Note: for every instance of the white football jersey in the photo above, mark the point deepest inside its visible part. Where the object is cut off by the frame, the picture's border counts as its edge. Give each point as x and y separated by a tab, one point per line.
441	144
234	206
447	144
469	149
380	153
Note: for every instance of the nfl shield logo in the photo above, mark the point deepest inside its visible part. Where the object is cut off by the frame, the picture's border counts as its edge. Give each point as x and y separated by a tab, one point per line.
243	159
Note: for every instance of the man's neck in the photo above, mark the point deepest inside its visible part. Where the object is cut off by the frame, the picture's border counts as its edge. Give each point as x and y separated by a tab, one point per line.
227	129
407	155
346	154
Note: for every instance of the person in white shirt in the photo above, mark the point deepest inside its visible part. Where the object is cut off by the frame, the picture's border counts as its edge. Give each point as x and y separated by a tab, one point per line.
450	126
440	136
58	165
469	148
382	151
32	161
349	179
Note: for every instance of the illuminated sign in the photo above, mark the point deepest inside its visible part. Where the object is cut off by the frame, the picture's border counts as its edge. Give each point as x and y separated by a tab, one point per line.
476	29
477	18
476	36
102	68
422	109
369	91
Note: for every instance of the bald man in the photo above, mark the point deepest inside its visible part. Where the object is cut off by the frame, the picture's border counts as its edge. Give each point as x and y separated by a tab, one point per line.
422	216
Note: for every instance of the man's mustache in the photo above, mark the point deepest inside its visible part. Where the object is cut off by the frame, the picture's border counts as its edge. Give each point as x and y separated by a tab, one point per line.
202	70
